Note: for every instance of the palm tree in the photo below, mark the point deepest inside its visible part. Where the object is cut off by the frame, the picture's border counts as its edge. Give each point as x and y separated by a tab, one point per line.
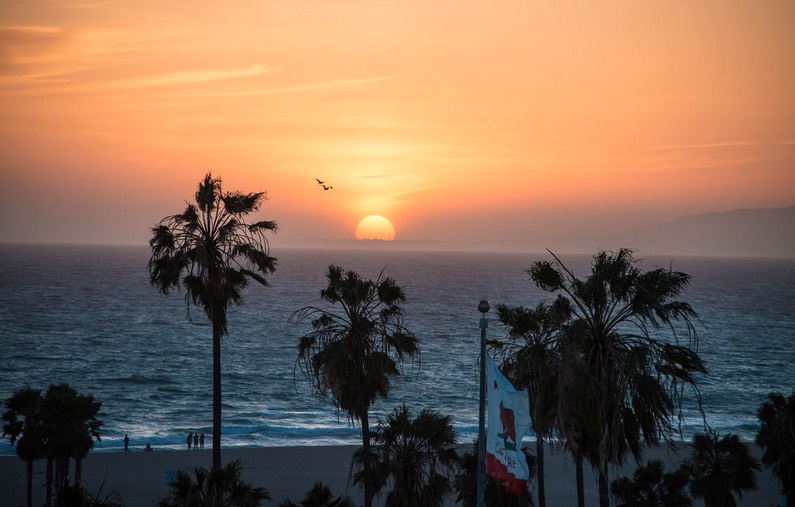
496	494
70	495
221	487
86	430
777	438
622	385
23	425
70	426
353	354
530	364
412	455
650	486
720	466
320	496
212	252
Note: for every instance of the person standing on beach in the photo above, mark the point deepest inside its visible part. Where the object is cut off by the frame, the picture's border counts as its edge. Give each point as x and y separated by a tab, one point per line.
201	441
126	443
195	440
190	440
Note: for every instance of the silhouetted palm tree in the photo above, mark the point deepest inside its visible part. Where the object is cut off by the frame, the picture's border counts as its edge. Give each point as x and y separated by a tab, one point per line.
216	487
212	252
71	425
75	495
531	364
621	385
353	354
777	438
650	486
718	467
465	484
320	496
23	426
413	456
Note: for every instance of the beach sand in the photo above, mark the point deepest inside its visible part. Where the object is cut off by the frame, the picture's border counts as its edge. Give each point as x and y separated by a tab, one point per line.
289	472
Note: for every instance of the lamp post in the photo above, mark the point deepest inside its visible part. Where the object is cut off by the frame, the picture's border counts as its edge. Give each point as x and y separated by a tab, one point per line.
483	308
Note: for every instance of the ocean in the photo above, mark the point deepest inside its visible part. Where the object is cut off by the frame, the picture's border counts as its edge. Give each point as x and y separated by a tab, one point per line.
87	315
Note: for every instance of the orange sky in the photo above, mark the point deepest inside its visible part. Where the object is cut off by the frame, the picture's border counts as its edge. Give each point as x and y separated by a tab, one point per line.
460	121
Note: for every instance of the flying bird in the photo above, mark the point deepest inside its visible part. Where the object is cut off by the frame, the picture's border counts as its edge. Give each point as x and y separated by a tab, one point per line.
323	184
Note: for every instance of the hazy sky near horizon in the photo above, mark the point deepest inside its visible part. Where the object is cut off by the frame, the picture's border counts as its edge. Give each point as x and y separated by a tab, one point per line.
508	121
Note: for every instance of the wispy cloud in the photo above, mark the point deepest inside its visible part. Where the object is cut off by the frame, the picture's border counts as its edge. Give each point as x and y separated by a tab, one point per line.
727	144
300	87
191	77
27	45
41	55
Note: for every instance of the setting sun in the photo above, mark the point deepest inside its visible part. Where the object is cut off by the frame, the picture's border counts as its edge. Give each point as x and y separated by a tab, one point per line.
375	227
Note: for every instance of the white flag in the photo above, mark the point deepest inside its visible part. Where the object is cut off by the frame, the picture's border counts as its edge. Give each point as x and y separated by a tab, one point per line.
509	420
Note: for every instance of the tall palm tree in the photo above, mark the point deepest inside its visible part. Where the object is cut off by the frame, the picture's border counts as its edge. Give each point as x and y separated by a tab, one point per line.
86	430
217	487
622	385
212	252
71	425
777	438
530	364
720	466
651	486
23	426
413	455
354	352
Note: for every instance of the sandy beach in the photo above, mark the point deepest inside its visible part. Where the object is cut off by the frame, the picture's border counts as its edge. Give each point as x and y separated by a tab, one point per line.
288	472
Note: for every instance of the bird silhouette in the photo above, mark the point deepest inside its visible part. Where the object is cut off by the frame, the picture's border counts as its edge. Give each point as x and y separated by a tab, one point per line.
326	188
323	184
319	182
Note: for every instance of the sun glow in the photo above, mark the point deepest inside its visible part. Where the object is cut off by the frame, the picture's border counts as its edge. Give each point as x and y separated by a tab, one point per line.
375	227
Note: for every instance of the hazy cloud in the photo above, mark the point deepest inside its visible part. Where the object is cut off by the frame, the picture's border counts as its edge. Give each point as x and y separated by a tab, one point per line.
728	144
301	87
24	45
192	76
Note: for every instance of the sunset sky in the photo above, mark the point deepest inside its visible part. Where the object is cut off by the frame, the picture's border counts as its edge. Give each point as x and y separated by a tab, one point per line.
460	121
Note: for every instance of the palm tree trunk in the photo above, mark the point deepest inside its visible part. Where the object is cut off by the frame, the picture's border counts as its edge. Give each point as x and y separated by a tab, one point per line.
78	469
217	333
542	496
49	481
580	481
368	479
61	470
30	483
604	491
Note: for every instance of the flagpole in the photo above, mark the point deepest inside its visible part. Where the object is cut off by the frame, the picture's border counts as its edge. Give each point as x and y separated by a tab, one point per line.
483	308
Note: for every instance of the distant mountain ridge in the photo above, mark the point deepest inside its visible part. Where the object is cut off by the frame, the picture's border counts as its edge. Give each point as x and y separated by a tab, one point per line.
736	233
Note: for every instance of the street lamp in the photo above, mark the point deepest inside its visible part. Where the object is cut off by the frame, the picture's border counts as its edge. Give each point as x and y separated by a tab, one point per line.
483	308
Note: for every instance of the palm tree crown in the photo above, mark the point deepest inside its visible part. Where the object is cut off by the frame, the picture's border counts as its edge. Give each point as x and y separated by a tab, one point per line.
219	486
412	454
777	437
720	467
212	252
651	486
621	384
353	353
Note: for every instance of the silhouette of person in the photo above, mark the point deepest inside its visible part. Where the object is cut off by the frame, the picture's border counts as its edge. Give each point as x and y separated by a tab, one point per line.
190	440
126	443
148	448
195	440
201	441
